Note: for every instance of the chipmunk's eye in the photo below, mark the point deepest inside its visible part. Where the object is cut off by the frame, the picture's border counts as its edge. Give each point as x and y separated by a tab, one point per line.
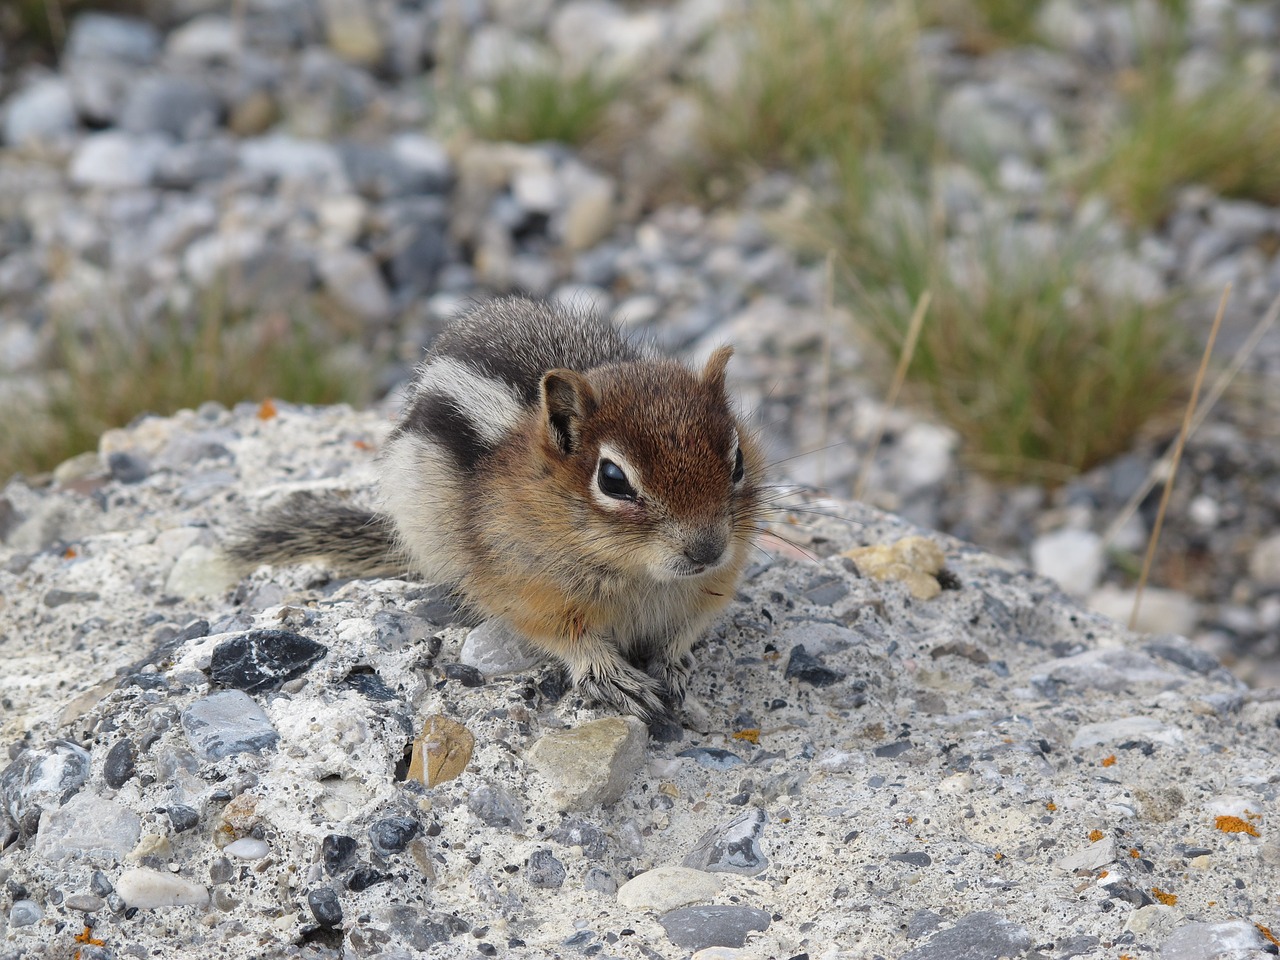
613	482
739	469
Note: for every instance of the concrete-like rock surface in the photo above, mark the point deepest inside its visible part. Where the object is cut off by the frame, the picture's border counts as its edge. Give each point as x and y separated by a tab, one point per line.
859	772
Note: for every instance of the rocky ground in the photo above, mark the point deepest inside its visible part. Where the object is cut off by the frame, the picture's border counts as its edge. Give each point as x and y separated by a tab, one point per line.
937	757
291	150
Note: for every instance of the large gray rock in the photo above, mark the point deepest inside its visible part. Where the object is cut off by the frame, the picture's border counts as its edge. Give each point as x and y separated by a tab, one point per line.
41	112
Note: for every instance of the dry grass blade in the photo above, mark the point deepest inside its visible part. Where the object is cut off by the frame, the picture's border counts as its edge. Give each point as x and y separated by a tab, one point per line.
899	375
1177	456
1220	385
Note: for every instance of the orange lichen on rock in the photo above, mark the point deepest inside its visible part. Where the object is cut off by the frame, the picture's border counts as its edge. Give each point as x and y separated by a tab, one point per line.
1095	836
1266	932
267	409
1051	807
751	735
1168	899
1229	824
1109	761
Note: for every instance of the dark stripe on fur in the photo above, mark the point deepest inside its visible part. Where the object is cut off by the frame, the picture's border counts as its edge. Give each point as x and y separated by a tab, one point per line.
437	418
353	540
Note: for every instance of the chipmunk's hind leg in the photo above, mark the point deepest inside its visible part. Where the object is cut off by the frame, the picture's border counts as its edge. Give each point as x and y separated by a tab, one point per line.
603	676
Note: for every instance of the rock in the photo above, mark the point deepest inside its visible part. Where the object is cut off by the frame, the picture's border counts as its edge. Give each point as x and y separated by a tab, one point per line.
496	807
41	112
441	752
665	888
288	158
100	36
147	889
227	723
1072	558
87	827
325	906
1092	858
200	572
1264	562
912	560
1127	728
979	936
732	848
263	660
352	32
713	758
1162	611
182	818
247	848
338	853
116	159
592	764
1226	940
544	871
391	835
495	649
589	213
172	105
696	928
25	913
208	39
809	669
120	766
922	457
41	777
352	279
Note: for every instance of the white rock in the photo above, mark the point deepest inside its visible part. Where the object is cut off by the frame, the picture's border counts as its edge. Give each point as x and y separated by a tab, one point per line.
1204	511
537	190
923	457
291	158
1093	857
247	848
1264	561
665	888
1162	611
589	213
199	572
43	111
494	649
211	37
147	889
422	153
590	764
1073	558
116	159
352	278
1126	728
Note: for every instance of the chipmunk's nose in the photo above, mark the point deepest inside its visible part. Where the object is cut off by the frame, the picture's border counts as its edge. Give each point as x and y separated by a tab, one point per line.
706	549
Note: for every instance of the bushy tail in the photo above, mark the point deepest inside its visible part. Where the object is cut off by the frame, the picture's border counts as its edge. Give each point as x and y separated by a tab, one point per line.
307	527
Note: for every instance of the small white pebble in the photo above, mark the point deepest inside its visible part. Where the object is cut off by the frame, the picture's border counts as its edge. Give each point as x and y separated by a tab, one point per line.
247	848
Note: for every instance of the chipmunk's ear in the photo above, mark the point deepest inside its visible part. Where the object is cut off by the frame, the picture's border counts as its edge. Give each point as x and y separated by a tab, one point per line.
713	372
567	400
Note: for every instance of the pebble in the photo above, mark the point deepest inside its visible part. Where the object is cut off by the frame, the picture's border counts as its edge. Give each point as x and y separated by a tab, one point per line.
591	764
227	723
496	807
1217	941
199	572
115	159
338	853
1162	611
391	835
544	871
666	888
24	913
247	848
1264	562
120	765
85	902
696	928
263	660
734	847
147	889
182	818
978	936
109	37
495	649
809	669
353	279
41	777
1072	558
170	105
325	906
41	112
1124	729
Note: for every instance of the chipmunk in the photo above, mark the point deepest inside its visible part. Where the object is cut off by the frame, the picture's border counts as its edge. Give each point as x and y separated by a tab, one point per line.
599	499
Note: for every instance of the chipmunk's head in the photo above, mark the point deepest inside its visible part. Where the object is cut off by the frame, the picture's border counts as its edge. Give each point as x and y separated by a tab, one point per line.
664	477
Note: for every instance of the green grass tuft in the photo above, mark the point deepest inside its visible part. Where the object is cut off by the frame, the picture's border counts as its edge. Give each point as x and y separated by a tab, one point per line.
818	77
106	378
1041	370
529	105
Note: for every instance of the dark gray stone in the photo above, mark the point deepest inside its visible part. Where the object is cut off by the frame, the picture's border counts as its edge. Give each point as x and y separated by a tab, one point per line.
714	758
264	659
496	807
545	871
182	817
338	853
227	723
809	669
120	765
577	833
915	858
979	936
58	598
177	106
127	468
325	906
696	928
732	848
391	835
600	880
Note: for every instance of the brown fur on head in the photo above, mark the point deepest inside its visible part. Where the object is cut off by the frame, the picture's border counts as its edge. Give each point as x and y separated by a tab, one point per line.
666	476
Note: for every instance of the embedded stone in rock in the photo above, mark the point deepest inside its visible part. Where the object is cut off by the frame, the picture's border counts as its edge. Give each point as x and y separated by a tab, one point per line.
713	758
87	826
325	906
337	852
1093	857
1215	941
665	888
494	649
24	913
41	777
591	764
120	766
545	871
915	561
809	669
263	659
496	807
733	848
391	835
1126	728
227	723
147	889
696	928
199	572
978	936
182	818
441	752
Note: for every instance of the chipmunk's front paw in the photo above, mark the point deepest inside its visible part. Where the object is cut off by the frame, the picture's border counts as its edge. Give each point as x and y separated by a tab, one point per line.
628	691
673	675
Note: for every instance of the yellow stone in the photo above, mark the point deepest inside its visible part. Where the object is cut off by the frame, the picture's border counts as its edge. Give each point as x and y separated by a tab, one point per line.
914	561
441	752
